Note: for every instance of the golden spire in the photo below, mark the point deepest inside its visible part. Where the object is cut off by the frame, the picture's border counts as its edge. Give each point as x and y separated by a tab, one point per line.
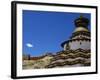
81	15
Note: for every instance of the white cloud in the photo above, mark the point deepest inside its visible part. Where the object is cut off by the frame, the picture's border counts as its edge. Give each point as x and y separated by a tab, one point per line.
29	45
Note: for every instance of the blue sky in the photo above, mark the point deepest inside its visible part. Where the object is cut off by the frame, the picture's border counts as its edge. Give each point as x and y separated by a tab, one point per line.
45	31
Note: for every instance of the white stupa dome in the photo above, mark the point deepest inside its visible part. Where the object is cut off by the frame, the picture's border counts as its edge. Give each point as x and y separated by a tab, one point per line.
81	29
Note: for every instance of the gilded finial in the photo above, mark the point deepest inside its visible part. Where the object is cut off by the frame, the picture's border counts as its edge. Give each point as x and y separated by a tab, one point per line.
81	15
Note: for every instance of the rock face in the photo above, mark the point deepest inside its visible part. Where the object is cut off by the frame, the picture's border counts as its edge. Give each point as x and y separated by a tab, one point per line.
37	62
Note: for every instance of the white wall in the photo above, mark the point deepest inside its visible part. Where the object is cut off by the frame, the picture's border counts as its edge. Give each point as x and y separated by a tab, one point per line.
5	40
76	44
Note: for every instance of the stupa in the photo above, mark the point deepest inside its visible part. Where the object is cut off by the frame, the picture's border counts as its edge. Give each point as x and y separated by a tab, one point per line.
80	38
77	49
